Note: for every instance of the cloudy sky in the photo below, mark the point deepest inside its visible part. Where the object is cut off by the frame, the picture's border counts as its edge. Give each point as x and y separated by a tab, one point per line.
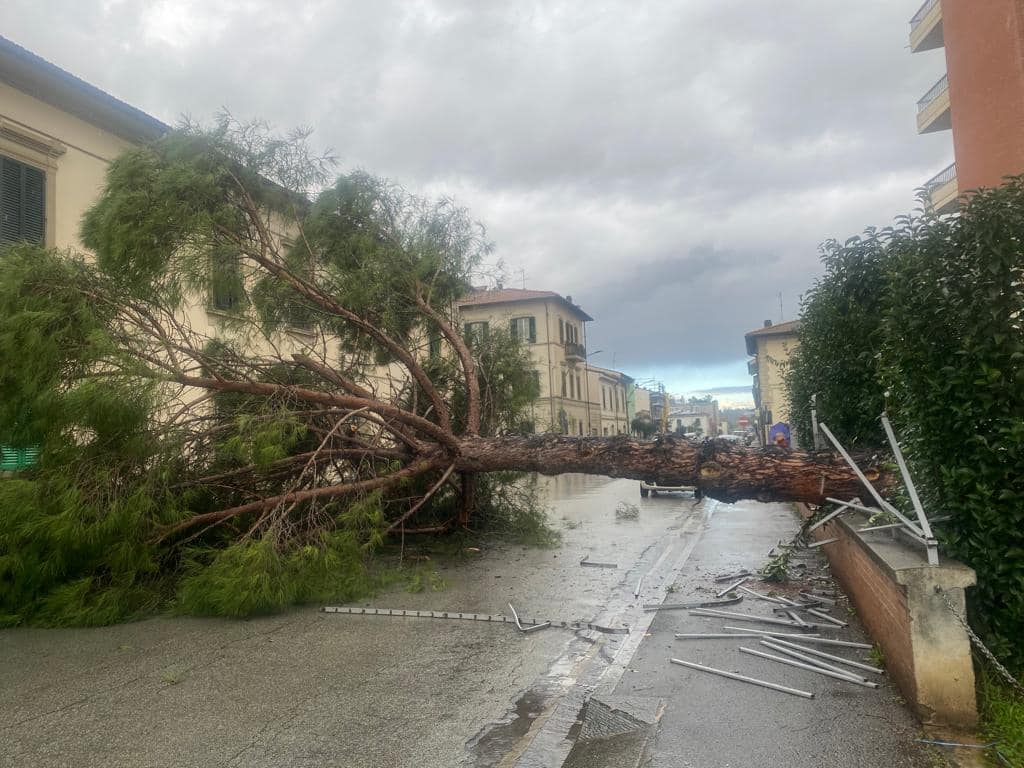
672	165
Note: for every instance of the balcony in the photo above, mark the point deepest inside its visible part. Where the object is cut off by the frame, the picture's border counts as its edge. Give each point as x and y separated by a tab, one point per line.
575	353
933	108
752	366
926	27
942	191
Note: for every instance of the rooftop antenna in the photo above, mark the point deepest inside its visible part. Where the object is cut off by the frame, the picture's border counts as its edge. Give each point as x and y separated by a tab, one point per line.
522	277
782	317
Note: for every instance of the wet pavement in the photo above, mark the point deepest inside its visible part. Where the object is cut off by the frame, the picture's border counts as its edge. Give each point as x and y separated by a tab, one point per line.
314	689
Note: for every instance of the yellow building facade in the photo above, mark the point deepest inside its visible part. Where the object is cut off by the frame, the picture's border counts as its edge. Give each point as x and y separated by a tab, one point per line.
554	331
770	348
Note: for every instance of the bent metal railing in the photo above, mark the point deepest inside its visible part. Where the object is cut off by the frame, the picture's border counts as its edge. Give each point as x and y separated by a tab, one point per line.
933	93
945	175
921	13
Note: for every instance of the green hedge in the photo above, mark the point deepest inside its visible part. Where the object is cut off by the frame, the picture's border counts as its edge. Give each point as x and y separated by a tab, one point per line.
926	319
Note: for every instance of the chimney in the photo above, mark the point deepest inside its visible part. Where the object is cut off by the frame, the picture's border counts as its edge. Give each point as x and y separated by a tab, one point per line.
767	323
569	299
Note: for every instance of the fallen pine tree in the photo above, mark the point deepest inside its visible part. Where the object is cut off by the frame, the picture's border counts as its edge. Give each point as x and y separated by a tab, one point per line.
240	393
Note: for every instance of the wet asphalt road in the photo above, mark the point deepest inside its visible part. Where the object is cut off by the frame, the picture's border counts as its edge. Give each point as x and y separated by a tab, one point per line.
314	689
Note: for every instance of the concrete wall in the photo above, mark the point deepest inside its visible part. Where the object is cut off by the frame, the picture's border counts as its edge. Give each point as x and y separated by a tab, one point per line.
985	61
927	652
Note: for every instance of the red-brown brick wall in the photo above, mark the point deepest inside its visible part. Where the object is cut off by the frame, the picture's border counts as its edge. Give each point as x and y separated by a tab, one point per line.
984	43
880	602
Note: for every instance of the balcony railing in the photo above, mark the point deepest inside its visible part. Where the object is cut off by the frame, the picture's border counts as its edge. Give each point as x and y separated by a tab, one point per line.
574	351
942	177
921	13
933	93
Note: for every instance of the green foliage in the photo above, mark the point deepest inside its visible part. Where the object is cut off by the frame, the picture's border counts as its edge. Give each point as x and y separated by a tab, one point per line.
99	369
926	317
1001	712
643	426
253	577
839	339
776	570
510	508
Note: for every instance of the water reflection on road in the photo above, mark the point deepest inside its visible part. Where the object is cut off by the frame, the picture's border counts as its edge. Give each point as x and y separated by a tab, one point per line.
644	548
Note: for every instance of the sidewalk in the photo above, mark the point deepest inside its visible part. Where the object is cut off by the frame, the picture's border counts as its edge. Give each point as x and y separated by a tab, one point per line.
708	721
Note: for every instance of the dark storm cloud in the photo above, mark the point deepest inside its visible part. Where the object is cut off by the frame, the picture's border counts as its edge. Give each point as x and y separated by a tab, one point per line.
672	165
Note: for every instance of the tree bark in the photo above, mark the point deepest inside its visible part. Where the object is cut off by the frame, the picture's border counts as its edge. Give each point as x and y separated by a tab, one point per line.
722	470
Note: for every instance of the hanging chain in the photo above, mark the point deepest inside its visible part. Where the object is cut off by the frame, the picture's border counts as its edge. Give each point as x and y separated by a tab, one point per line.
980	645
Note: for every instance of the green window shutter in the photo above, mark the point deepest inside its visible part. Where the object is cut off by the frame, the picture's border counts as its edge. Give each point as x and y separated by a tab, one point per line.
22	202
513	329
33	219
533	330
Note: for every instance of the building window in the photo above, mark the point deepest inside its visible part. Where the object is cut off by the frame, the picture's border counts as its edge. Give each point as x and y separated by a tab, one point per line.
226	289
604	399
434	344
561	330
572	387
524	329
563	384
473	331
22	202
579	390
606	431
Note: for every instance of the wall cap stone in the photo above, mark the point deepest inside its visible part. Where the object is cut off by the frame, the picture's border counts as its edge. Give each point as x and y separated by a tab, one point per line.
906	562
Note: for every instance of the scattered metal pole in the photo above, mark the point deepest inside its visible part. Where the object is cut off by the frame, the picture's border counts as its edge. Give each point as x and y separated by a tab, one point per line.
723	635
586	563
818	598
922	518
745	617
699	604
825	617
759	596
639	583
821	543
731	587
814	422
811	668
796	617
829	516
887	508
463	616
822	654
808	659
810	638
881	527
744	678
531	628
864	481
731	576
957	744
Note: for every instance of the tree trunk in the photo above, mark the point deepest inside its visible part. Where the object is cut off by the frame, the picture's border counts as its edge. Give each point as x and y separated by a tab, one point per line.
467	502
722	470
